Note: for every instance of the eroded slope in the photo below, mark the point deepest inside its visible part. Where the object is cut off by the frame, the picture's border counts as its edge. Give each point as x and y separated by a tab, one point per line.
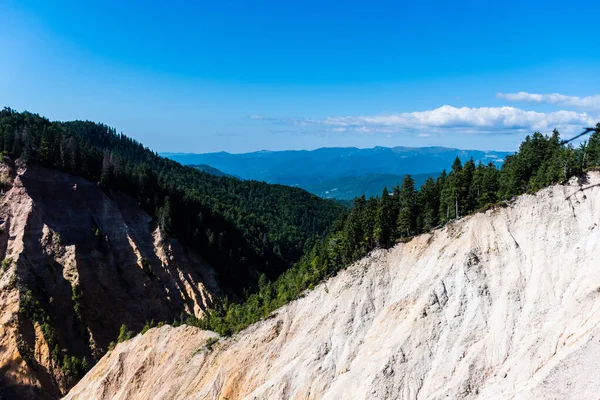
502	304
78	263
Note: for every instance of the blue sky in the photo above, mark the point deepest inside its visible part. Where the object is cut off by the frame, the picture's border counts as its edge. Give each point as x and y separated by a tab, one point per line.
244	76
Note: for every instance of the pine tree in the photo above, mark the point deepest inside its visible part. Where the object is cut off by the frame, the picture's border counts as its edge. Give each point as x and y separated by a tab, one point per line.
490	185
124	334
429	204
106	175
449	198
467	193
592	154
355	233
45	150
385	219
370	221
165	222
407	218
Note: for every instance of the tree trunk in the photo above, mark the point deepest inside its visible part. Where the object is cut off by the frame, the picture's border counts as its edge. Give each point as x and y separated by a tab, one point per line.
456	207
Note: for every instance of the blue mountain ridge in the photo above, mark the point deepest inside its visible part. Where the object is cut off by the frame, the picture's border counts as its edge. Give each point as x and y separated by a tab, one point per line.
349	171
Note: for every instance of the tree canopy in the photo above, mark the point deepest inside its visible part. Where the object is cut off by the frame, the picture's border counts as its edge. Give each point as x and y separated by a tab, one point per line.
243	228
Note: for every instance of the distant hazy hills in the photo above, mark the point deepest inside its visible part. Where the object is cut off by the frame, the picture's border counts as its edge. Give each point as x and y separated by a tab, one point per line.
346	187
334	172
211	170
349	187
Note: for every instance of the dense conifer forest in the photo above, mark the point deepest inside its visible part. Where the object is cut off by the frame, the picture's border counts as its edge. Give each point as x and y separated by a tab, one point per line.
243	228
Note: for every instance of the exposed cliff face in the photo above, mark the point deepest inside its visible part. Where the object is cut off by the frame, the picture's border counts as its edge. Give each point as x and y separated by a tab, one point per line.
502	304
80	262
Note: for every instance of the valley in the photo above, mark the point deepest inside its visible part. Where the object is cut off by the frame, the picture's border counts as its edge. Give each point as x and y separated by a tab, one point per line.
340	173
115	258
205	200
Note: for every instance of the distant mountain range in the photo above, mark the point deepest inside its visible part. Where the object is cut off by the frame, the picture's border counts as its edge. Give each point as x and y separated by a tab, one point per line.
335	172
211	170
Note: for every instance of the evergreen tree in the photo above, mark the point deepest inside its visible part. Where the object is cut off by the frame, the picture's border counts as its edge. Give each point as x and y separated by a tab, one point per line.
489	186
355	229
451	192
591	157
407	218
429	204
107	175
45	150
467	192
384	227
370	217
165	221
124	334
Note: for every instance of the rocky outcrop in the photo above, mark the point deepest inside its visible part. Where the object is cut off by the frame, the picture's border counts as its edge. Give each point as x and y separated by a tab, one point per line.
502	304
78	263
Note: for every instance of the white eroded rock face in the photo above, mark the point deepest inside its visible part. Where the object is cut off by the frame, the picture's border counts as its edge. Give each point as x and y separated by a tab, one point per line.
502	304
94	260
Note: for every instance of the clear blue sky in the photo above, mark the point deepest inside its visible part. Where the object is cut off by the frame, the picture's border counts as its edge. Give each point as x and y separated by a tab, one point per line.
242	76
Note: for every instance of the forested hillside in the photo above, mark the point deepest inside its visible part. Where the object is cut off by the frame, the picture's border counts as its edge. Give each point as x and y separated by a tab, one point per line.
210	170
351	187
243	228
405	211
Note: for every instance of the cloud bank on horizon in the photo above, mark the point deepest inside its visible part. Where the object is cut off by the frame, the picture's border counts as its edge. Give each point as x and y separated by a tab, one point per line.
469	120
589	102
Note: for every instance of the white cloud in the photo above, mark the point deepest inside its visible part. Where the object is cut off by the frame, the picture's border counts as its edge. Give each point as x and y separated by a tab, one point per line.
465	119
589	102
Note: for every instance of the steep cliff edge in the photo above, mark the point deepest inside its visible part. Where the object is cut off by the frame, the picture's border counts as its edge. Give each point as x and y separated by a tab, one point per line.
501	304
77	263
